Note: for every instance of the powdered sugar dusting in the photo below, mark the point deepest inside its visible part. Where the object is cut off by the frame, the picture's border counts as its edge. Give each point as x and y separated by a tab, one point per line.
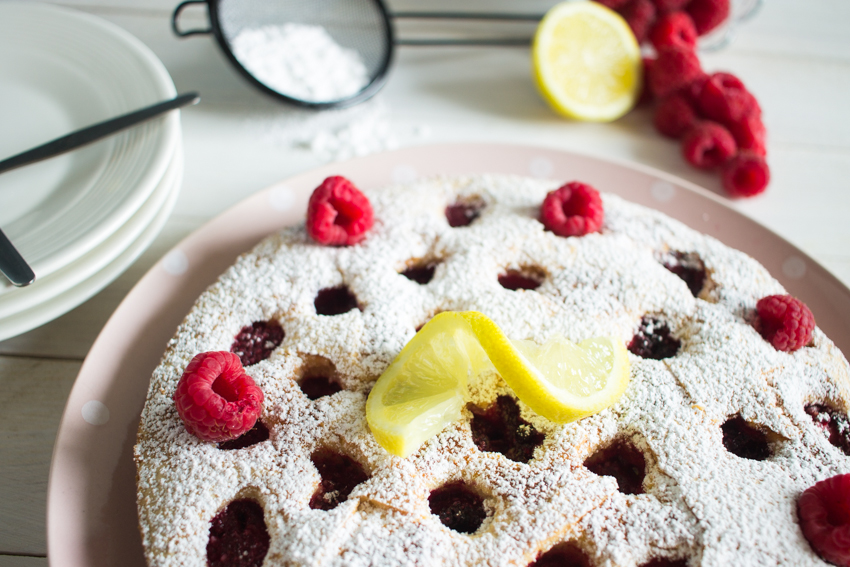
700	502
301	61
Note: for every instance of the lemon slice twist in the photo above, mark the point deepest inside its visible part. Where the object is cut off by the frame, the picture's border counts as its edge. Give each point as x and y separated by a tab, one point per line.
586	61
426	386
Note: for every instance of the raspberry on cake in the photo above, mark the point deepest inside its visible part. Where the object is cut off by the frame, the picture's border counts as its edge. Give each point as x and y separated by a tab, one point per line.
216	400
574	209
785	322
824	511
338	213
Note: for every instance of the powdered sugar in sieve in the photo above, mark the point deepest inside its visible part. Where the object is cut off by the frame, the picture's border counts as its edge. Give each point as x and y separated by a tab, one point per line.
301	61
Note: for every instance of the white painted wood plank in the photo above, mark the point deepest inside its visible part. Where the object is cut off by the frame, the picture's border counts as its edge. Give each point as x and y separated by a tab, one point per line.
22	561
32	394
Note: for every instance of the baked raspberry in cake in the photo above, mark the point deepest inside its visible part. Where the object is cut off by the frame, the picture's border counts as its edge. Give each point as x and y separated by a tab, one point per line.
701	462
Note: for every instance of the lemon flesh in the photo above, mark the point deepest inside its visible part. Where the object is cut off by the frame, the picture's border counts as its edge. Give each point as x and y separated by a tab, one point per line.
426	386
587	62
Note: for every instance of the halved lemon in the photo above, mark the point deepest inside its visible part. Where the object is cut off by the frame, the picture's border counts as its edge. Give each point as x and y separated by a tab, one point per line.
587	62
426	386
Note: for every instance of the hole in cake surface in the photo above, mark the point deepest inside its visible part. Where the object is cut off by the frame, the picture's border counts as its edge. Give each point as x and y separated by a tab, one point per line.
421	274
463	212
563	555
256	434
316	387
653	340
238	536
255	342
622	460
318	377
500	429
664	562
689	267
339	473
745	441
521	279
458	507
833	423
335	301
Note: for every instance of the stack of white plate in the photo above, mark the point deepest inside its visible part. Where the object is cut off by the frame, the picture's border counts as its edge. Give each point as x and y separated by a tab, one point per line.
82	218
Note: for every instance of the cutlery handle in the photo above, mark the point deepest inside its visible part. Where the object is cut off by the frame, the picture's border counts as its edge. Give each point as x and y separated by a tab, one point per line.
95	132
13	265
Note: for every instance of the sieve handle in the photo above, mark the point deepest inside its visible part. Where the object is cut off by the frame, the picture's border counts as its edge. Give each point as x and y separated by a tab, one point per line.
184	33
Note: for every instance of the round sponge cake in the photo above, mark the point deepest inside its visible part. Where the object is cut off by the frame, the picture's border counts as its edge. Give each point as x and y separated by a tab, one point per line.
700	462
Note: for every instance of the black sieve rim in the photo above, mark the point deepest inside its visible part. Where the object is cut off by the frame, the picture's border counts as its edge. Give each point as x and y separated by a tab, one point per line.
376	82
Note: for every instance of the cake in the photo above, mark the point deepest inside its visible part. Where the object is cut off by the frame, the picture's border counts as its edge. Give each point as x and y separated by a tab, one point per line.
700	462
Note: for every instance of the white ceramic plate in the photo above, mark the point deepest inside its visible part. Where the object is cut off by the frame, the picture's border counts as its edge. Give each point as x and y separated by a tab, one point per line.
63	70
72	296
17	300
91	501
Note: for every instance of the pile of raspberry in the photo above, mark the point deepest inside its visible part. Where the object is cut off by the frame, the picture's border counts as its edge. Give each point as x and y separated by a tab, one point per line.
716	118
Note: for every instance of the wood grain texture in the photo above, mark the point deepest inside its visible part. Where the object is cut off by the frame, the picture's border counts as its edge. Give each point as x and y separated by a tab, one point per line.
32	395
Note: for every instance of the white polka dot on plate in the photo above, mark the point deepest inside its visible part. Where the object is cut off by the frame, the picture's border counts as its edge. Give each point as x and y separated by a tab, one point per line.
662	191
403	173
541	167
281	198
175	263
794	267
95	412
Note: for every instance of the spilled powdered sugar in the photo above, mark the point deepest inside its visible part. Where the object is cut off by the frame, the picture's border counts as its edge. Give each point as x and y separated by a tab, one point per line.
338	134
301	61
701	502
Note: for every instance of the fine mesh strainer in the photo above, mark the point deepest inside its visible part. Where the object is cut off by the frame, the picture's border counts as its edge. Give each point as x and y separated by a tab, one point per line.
314	53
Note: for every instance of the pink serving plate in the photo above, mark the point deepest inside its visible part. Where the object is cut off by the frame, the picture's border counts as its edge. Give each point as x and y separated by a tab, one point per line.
91	506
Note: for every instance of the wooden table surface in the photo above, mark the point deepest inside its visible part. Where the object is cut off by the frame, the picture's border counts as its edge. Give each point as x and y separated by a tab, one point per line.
795	56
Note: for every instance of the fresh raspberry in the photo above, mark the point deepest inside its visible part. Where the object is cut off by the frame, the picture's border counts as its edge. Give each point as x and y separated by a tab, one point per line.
613	4
708	144
674	69
674	29
745	175
824	513
216	399
574	209
725	99
708	14
645	92
640	15
664	6
674	116
338	214
750	134
785	322
692	91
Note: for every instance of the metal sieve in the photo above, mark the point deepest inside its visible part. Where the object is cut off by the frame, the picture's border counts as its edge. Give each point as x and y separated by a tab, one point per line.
280	45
